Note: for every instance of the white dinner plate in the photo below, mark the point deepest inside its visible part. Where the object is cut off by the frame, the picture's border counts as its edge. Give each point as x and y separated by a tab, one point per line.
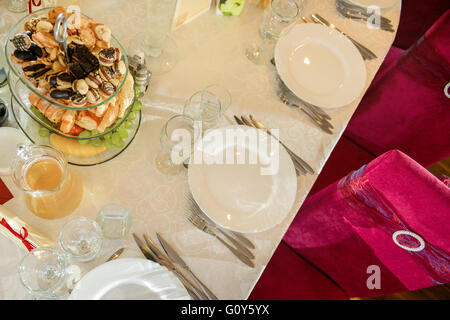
320	65
247	196
382	4
129	279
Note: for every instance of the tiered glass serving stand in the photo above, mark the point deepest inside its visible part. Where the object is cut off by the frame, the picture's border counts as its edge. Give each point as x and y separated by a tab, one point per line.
32	122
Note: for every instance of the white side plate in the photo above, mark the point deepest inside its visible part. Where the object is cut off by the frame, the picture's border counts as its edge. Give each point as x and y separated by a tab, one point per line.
320	65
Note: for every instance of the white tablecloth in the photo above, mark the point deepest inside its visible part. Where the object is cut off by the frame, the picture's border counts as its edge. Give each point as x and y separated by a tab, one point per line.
211	51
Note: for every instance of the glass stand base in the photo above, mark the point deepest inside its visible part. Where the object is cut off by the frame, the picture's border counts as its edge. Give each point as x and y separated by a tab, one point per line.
165	165
166	60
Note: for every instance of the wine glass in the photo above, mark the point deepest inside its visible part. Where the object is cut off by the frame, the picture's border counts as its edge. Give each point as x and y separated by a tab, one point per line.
81	239
43	272
277	19
177	139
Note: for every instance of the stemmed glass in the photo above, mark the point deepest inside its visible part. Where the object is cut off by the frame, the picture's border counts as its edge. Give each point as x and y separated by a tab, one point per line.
177	139
161	52
17	5
43	272
277	19
81	239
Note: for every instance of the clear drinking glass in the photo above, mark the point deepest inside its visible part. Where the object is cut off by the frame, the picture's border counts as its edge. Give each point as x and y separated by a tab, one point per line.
277	19
161	52
43	272
222	94
114	220
205	107
52	189
81	239
177	140
18	5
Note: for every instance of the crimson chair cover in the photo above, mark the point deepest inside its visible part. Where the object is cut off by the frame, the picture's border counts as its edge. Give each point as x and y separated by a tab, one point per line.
392	215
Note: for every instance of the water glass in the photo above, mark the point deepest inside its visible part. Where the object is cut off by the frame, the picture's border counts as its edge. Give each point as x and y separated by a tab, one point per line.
81	239
205	107
278	17
114	220
18	5
161	50
177	140
43	272
223	95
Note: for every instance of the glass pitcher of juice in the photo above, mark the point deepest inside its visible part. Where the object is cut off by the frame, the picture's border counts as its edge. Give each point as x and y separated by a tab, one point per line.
52	189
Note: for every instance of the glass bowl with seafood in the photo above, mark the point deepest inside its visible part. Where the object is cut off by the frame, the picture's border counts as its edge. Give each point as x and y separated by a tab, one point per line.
88	75
83	152
76	124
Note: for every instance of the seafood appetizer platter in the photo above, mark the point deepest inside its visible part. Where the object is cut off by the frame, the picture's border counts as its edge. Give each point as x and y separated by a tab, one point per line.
78	91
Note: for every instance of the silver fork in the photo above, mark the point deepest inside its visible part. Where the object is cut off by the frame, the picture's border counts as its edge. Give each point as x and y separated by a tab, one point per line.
299	169
201	224
195	209
360	10
356	15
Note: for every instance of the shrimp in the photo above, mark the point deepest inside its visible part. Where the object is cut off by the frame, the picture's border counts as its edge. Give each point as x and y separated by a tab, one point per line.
67	121
86	121
44	40
34	99
109	117
54	113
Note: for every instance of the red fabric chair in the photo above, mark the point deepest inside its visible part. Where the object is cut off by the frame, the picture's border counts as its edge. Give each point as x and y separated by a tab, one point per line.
288	276
406	108
416	18
350	225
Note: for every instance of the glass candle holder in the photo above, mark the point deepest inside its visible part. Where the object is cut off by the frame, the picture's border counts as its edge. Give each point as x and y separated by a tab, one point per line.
81	239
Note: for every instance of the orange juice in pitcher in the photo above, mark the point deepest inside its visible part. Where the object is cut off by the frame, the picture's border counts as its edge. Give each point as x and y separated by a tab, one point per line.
52	189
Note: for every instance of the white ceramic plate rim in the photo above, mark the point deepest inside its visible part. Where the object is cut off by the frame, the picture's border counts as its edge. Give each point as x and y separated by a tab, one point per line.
343	48
97	282
267	218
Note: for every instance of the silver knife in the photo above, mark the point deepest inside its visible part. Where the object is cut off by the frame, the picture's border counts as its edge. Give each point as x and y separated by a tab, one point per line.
152	257
174	256
116	254
316	17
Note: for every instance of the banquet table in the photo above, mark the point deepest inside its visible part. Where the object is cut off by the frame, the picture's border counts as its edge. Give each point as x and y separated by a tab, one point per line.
211	51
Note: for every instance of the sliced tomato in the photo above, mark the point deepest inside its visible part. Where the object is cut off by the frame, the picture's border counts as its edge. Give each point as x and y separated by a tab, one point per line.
76	130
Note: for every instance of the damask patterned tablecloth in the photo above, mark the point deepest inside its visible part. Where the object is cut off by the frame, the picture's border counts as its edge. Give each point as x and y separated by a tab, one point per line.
211	50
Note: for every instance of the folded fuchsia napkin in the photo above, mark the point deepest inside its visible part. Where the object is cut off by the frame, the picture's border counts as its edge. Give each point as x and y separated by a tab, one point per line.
5	194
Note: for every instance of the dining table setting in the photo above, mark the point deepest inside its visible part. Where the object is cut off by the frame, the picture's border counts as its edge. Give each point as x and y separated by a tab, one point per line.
93	204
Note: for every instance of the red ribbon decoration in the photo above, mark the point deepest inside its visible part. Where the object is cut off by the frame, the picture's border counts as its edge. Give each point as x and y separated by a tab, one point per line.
31	3
21	236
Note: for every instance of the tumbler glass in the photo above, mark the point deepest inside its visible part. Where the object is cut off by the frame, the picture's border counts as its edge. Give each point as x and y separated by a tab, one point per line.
114	220
18	5
161	52
205	107
277	19
177	140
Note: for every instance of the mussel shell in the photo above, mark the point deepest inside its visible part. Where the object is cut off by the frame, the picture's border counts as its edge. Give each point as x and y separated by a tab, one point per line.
107	88
78	99
34	67
61	93
36	50
66	77
24	55
39	73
